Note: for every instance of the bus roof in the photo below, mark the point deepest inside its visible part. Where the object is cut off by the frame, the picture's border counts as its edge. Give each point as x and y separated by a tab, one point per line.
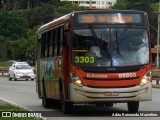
53	22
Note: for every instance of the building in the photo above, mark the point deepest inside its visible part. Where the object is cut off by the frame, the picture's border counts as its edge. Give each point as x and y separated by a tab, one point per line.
95	3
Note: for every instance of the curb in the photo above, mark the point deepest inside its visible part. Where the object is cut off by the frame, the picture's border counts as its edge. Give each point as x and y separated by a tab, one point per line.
7	102
155	86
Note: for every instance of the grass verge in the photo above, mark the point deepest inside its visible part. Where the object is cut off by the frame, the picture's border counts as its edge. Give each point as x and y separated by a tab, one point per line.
5	64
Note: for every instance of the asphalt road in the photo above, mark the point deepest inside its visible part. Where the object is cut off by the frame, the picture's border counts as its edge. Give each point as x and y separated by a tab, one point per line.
23	93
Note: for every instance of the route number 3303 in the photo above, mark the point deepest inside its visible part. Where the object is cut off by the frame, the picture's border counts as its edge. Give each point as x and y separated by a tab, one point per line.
84	59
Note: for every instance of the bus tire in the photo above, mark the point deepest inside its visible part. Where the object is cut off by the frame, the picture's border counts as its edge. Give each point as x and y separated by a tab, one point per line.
65	106
133	106
46	102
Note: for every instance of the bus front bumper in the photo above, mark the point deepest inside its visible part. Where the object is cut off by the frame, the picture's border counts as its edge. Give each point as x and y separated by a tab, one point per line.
87	94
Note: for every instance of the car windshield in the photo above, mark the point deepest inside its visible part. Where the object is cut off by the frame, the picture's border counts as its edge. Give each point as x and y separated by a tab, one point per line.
23	67
110	47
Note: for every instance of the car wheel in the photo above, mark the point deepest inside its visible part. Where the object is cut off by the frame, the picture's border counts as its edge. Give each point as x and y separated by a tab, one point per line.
9	78
15	78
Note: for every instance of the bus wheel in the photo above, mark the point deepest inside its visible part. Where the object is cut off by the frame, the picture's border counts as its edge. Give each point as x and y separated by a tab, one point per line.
46	102
65	106
133	106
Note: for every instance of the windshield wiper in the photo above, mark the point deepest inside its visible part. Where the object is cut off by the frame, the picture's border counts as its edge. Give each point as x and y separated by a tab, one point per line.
124	31
94	35
99	42
117	49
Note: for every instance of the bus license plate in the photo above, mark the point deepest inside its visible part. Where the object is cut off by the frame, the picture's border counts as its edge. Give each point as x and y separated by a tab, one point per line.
111	94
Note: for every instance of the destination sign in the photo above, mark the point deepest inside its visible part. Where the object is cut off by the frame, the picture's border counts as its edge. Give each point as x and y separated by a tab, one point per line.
109	18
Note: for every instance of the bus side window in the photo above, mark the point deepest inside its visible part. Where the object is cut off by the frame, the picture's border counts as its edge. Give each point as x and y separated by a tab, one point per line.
43	45
53	42
58	41
61	40
47	43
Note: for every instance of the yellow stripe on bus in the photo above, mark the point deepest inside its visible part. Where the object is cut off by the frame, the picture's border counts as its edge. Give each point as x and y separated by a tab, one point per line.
80	50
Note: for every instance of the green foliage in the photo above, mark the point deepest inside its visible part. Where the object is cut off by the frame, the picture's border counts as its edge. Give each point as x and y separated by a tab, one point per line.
5	64
24	48
154	7
13	24
121	4
67	7
64	10
2	48
40	15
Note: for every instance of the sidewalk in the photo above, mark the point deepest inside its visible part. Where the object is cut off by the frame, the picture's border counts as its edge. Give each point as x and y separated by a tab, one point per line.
3	103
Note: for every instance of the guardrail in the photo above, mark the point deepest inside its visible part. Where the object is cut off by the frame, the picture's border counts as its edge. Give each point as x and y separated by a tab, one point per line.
4	71
156	76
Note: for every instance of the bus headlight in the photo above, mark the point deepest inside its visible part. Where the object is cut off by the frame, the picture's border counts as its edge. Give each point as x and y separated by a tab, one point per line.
146	78
76	80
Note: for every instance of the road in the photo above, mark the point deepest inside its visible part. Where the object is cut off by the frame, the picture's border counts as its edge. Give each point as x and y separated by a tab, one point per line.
23	93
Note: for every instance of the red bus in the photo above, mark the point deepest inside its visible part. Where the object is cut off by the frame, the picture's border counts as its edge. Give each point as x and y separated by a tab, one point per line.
95	56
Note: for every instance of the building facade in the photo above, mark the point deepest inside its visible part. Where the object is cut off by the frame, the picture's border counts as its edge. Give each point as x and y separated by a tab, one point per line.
95	3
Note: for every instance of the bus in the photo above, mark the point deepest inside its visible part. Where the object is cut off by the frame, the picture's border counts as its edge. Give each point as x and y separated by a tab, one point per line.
100	57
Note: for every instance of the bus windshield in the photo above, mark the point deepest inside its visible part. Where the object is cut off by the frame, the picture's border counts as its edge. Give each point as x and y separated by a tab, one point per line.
110	47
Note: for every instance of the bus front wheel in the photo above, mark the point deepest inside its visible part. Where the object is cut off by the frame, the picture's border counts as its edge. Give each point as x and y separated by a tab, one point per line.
65	105
133	106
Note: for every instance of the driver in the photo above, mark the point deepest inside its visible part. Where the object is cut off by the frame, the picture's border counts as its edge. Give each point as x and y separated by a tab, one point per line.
96	50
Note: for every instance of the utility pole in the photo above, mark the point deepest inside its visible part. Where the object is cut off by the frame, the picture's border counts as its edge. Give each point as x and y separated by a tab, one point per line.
158	36
90	3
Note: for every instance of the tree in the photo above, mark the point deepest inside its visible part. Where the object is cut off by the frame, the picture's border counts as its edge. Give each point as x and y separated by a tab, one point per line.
121	4
12	26
40	15
67	7
25	47
2	48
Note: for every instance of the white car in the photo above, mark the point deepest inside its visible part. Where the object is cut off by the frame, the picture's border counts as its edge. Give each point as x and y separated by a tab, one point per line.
21	71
